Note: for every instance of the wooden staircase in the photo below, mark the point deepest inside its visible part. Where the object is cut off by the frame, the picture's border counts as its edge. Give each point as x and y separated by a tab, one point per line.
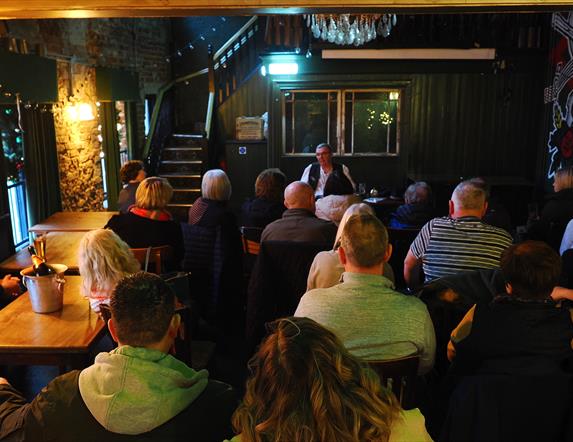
182	164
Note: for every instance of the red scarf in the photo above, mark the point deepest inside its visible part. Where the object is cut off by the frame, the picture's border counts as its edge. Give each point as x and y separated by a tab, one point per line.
158	215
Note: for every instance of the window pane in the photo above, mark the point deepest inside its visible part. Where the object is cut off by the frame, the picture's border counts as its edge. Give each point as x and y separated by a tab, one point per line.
375	122
307	124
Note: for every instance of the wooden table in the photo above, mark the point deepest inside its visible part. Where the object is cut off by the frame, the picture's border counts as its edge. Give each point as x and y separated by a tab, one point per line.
61	248
73	222
63	338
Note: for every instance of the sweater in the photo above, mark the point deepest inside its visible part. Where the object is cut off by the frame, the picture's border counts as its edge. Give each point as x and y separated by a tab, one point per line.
391	325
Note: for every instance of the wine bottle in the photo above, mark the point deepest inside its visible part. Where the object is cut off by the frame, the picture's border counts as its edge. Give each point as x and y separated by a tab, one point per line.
40	266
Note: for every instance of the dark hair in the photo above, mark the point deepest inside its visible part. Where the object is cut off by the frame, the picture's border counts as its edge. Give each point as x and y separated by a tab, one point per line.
305	386
270	185
142	306
337	184
532	268
129	171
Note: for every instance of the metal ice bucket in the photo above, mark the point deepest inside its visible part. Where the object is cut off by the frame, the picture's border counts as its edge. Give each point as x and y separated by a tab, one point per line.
46	292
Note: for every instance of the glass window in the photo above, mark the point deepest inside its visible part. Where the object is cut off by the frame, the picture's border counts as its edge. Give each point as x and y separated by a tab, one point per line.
310	118
353	122
13	151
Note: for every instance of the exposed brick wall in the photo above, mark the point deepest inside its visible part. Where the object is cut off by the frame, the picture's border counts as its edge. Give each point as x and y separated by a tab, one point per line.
139	45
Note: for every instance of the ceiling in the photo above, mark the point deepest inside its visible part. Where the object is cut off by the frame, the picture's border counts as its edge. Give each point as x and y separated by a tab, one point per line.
23	9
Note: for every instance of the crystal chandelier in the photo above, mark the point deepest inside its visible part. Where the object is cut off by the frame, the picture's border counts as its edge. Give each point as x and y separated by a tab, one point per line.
350	29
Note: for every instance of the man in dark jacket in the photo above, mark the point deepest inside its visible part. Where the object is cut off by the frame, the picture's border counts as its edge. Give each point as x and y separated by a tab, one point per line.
299	222
135	392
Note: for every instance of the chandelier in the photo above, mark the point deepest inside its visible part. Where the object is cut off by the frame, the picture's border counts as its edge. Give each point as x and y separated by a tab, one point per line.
350	29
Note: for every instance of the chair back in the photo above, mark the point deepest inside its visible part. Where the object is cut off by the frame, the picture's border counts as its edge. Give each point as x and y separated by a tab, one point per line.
153	255
399	375
401	239
251	237
277	282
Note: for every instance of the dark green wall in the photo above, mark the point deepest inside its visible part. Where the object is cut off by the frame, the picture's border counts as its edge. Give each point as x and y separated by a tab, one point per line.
458	119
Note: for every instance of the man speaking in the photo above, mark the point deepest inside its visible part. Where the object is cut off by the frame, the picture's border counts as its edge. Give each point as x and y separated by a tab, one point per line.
317	173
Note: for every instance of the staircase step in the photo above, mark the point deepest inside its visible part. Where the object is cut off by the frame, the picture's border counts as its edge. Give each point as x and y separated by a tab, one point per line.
187	140
180	212
192	167
185	196
182	181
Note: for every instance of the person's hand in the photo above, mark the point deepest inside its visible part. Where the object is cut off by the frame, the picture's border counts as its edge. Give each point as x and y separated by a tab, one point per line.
560	293
4	381
11	285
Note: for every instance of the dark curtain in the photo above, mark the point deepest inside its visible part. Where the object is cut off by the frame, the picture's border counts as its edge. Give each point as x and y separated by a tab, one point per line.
40	165
111	151
131	125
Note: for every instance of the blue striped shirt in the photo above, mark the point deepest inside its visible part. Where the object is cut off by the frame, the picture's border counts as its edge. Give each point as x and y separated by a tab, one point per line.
448	246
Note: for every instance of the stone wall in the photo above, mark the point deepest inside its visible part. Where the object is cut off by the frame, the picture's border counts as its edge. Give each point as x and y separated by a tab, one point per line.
140	45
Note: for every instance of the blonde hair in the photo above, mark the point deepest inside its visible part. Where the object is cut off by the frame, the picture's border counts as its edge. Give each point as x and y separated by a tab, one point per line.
216	185
364	240
103	260
305	386
354	209
564	178
153	193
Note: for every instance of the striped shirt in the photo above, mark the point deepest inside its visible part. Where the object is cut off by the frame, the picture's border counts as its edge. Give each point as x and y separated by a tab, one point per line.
447	246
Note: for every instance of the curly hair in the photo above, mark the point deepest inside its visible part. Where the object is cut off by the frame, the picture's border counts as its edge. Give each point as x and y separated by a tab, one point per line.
305	386
130	170
103	259
270	185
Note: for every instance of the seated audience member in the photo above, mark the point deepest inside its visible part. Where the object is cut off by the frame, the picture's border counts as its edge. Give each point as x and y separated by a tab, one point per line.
496	213
135	392
305	386
458	242
210	210
317	173
326	268
267	205
9	289
298	222
567	241
418	209
557	211
148	223
103	259
338	196
131	174
514	354
371	319
524	324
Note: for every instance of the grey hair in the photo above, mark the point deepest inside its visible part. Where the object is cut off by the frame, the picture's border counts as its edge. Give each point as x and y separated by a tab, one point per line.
418	193
354	209
103	259
216	185
469	196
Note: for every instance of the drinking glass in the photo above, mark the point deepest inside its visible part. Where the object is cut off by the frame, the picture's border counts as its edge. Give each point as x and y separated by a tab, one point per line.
40	244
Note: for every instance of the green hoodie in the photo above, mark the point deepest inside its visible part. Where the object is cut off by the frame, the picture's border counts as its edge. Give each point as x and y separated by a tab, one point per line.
132	390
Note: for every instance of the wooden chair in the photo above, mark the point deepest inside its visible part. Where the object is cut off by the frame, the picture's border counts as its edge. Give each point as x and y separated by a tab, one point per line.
399	375
157	255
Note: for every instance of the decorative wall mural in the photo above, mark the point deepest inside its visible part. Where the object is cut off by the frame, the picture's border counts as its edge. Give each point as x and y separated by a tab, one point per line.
560	93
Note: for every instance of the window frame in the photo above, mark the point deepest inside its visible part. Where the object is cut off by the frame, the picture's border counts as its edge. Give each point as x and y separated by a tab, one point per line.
341	149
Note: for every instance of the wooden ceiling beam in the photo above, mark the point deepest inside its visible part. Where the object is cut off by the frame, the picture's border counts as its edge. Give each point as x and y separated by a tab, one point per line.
27	9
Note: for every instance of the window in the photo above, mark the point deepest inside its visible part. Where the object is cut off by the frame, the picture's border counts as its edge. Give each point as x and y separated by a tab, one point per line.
354	122
13	150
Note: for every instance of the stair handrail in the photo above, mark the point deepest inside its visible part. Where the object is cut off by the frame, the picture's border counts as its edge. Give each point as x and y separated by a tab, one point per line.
213	64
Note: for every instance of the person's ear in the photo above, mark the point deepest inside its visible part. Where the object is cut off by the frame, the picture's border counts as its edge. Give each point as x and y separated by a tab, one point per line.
485	205
342	256
112	330
451	207
388	253
174	325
